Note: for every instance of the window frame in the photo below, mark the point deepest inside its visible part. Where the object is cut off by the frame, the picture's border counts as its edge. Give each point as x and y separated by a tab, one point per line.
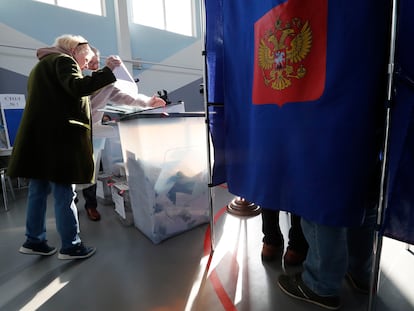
193	19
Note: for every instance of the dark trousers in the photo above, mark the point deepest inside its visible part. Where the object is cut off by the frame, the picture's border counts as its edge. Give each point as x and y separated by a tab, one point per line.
89	194
273	235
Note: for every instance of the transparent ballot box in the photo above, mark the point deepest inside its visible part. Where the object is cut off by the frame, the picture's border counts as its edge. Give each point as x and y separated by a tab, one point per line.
166	165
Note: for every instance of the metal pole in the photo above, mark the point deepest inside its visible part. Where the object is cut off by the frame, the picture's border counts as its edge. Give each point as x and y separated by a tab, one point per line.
207	121
382	204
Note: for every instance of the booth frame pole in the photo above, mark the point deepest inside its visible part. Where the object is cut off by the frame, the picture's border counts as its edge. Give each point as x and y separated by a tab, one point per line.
383	198
207	121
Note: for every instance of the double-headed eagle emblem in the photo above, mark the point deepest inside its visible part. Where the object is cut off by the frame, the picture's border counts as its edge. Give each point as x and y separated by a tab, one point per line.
281	52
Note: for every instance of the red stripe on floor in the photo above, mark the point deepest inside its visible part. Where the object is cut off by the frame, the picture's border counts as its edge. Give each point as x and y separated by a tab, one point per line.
221	292
224	298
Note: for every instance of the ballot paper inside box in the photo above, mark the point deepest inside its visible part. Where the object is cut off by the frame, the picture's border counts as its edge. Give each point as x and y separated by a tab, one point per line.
167	178
171	200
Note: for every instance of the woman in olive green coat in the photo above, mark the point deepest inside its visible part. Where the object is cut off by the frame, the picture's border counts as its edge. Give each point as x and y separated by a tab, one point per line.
53	146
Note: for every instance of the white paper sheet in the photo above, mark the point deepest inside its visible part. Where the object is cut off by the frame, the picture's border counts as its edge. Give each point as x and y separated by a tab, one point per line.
124	80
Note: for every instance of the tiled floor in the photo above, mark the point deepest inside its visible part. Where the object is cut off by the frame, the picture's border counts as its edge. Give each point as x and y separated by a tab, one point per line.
129	272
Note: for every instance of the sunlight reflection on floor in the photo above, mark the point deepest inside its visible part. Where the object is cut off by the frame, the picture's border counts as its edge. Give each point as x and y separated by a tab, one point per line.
45	294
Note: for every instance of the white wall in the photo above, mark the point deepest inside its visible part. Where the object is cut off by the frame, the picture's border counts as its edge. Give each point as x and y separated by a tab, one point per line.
17	51
175	71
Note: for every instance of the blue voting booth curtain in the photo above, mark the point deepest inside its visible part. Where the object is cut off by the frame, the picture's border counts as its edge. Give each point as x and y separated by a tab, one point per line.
214	87
303	84
214	51
399	215
216	126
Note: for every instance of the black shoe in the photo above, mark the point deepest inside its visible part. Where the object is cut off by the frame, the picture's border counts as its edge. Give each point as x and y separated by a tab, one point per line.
78	251
294	287
41	248
359	286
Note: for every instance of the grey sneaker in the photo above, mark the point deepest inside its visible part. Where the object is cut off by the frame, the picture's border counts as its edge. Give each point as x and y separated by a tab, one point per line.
78	251
294	287
41	248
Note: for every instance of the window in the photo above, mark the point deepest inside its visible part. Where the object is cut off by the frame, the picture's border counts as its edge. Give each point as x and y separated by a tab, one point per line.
95	7
171	15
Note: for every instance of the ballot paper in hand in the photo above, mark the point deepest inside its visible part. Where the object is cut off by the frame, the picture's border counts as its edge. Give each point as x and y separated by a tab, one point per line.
124	81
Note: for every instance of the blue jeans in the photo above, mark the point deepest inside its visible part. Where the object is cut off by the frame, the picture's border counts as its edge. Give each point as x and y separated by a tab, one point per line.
334	251
66	214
